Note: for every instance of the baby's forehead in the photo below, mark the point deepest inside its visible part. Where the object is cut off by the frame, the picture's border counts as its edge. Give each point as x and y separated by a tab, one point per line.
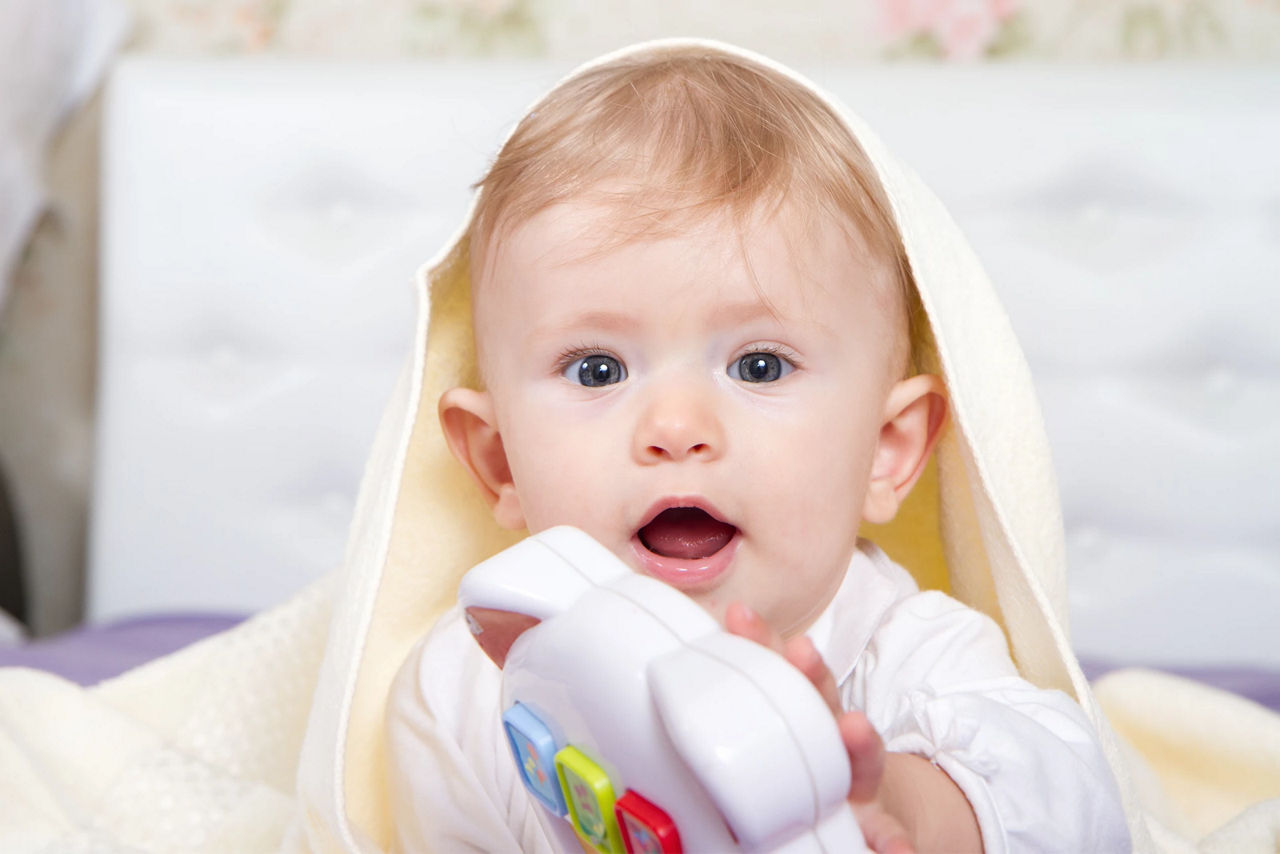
616	221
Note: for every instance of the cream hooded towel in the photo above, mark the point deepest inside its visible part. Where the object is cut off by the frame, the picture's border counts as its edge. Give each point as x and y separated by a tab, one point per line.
270	737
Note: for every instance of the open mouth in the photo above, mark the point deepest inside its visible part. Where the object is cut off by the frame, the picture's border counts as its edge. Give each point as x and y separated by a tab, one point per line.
686	533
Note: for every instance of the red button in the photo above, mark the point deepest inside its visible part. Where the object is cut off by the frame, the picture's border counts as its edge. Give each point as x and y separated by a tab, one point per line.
646	829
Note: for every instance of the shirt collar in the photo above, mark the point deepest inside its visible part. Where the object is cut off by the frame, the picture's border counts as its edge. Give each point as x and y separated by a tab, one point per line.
872	585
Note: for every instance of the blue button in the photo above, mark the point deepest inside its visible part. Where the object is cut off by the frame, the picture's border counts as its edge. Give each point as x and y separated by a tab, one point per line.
534	749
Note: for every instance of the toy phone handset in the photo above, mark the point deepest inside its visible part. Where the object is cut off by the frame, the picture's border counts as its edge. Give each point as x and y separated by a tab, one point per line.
636	719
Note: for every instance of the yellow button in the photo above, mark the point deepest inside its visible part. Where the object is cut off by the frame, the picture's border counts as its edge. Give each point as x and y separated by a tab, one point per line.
590	797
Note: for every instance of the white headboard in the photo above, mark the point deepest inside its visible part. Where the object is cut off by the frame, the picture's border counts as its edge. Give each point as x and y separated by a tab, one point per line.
261	227
261	223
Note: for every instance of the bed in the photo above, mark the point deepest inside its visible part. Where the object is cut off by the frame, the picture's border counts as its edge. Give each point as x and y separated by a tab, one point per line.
261	222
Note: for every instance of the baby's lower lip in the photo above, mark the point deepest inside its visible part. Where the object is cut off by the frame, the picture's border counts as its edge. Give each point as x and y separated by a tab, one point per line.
688	576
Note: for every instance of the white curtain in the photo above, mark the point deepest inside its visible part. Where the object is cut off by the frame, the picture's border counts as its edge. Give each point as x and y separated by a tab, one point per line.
52	55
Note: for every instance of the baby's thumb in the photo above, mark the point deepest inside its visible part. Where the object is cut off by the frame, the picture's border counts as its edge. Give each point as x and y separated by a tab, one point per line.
804	656
866	756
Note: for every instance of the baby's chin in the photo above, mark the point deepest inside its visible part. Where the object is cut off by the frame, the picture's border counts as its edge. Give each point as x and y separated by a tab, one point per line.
711	590
717	600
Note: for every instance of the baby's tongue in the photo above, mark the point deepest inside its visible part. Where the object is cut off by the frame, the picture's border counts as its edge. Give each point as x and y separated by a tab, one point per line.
686	533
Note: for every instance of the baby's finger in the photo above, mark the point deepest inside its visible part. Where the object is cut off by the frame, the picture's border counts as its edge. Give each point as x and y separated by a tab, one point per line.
804	656
866	755
740	620
883	833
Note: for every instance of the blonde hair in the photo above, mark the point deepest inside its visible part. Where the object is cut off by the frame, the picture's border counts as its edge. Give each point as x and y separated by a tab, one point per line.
683	130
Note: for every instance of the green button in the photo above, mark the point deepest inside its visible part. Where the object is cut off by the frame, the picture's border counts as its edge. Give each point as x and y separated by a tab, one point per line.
590	796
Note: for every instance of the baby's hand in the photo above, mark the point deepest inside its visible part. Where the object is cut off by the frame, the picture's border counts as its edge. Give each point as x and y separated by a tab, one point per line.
883	832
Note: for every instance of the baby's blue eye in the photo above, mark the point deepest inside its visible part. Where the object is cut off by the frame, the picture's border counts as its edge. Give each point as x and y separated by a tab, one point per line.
760	368
594	371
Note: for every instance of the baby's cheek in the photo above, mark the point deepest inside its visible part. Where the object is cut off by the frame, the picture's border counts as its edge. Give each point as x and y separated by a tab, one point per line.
564	492
812	489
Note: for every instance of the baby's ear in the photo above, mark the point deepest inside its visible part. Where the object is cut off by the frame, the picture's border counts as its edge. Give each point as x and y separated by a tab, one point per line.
467	419
914	413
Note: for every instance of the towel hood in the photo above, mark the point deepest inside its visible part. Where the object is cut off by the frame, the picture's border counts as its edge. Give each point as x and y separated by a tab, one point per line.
984	523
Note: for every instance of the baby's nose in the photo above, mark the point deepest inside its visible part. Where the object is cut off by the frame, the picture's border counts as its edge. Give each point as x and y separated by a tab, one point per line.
677	426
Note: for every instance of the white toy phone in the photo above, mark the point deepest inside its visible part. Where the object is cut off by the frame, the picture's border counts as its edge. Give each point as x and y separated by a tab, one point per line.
636	719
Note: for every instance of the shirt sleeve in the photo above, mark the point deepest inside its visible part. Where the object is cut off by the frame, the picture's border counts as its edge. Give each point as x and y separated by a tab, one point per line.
452	783
936	680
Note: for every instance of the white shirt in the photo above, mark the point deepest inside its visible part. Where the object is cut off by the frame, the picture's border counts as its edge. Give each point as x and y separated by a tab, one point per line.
933	676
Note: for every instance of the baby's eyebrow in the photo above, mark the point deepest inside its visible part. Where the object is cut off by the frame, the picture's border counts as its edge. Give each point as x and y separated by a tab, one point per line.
606	321
745	312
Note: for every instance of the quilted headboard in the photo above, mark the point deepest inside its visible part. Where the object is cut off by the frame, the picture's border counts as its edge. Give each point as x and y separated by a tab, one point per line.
261	223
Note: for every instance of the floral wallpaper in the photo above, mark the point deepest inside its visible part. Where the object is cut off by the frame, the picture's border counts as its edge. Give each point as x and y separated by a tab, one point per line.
965	30
799	31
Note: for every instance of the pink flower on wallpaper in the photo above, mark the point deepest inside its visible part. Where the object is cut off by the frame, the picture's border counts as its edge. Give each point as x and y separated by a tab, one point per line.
963	29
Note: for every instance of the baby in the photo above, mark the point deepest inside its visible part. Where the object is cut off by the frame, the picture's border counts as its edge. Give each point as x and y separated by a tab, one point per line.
694	322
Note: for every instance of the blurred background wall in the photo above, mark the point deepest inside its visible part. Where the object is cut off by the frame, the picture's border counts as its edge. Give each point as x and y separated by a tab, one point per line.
796	31
48	315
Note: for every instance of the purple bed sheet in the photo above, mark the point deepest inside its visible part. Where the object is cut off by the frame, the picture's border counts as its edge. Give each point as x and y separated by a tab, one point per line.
93	653
90	654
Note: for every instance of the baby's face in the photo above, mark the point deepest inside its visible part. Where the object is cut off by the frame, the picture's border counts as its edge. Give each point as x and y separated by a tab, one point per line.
714	423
